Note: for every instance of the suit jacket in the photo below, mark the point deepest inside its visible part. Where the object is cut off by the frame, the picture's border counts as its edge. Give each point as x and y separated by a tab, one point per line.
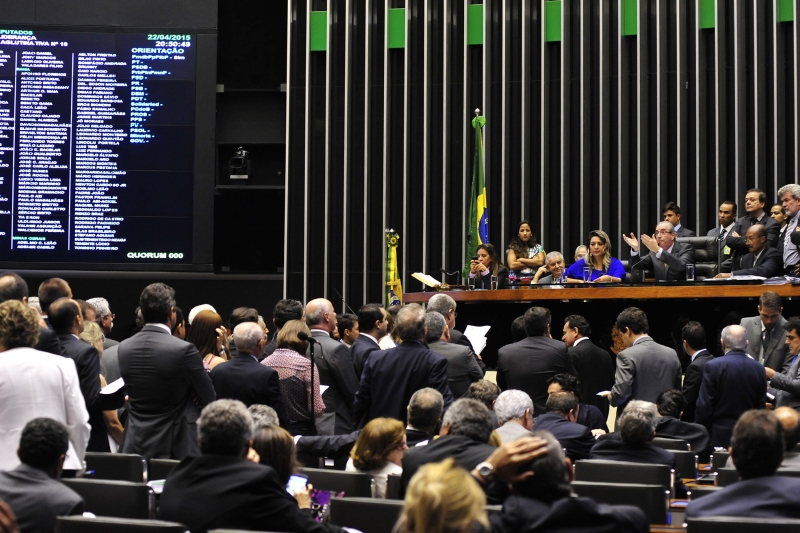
36	499
218	491
737	244
391	377
576	515
644	371
485	282
725	259
456	337
595	368
110	363
466	452
776	354
575	438
37	384
512	431
245	379
670	266
591	417
611	449
167	387
732	384
691	383
769	264
528	364
684	232
335	364
360	350
270	348
87	362
761	497
415	436
462	366
696	435
333	446
787	386
48	342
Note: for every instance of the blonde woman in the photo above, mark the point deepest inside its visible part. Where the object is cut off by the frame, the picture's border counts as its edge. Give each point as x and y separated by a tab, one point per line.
443	498
92	334
604	268
379	452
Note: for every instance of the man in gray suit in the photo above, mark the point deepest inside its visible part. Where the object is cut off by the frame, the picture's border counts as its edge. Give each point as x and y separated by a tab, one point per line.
667	259
462	363
32	489
514	411
786	385
336	370
644	367
166	383
446	306
767	334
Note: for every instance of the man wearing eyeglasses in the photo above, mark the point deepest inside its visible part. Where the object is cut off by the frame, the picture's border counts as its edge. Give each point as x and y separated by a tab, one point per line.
667	259
105	319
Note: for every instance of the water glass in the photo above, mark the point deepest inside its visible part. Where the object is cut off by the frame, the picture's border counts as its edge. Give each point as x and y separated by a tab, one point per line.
494	283
587	274
689	272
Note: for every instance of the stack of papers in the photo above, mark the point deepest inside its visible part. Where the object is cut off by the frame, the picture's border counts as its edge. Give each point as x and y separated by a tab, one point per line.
426	279
477	337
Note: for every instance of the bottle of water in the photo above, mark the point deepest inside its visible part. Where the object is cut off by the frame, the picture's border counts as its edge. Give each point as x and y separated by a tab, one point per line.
512	279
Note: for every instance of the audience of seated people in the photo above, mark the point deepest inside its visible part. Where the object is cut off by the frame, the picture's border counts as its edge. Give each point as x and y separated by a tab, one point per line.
237	460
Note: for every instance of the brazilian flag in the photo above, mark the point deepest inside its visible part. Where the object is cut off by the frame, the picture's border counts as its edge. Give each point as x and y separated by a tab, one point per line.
478	211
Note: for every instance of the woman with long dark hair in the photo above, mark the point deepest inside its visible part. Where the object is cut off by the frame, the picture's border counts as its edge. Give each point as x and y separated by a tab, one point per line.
524	254
486	266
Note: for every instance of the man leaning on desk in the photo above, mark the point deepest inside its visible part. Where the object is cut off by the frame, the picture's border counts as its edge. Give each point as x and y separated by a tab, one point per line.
762	260
667	259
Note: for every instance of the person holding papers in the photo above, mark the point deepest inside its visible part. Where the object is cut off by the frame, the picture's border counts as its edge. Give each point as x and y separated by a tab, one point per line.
762	260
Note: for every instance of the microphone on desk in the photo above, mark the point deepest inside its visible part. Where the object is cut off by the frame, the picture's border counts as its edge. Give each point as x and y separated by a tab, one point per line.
634	266
303	336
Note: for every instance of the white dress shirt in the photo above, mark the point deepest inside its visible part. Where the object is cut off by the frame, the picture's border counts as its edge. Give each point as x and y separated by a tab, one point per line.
36	384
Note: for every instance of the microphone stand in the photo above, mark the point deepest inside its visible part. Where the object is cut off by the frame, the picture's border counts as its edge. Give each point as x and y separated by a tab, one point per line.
345	303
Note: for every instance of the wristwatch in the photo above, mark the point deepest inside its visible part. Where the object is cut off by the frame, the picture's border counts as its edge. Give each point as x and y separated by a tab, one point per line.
485	469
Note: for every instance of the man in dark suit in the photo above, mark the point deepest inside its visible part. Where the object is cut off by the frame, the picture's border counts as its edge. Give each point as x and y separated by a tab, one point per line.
754	203
762	260
222	488
390	377
644	367
166	383
67	321
670	404
285	310
561	420
544	501
335	365
32	489
732	384
757	448
667	259
727	223
694	345
785	386
672	214
244	379
446	306
462	365
593	364
636	429
13	287
528	364
424	414
465	433
766	333
372	326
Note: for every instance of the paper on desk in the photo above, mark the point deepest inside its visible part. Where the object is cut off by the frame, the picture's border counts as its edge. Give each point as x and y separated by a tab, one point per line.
430	281
113	387
477	337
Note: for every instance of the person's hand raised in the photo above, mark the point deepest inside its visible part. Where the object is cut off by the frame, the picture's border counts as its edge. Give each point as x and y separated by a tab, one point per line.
631	241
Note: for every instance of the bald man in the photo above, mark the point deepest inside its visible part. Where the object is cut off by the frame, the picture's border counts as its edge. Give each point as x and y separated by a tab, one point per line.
336	371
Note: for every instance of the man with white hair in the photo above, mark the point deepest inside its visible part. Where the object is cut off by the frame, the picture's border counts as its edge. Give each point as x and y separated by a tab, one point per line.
667	259
790	199
731	385
552	271
104	319
244	379
444	304
514	411
336	371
